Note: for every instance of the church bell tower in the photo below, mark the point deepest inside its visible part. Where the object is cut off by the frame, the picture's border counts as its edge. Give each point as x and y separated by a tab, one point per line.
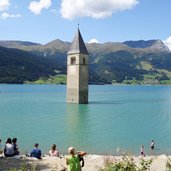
77	71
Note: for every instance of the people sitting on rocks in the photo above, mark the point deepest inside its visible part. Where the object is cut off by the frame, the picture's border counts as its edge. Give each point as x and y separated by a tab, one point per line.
54	152
15	146
9	149
73	160
36	152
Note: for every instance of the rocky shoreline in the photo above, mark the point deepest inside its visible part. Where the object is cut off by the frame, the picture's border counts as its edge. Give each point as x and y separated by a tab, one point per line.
92	162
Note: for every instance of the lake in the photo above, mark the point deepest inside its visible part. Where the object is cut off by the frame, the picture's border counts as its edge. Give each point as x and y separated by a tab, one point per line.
116	118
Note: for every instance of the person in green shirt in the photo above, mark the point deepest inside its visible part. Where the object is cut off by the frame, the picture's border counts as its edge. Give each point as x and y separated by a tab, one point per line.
73	161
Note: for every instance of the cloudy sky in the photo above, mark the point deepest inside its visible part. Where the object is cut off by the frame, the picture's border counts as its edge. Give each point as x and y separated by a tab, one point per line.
100	20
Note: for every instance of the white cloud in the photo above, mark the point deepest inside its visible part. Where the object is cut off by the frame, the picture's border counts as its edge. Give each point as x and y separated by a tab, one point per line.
6	15
167	42
71	9
4	5
93	41
36	7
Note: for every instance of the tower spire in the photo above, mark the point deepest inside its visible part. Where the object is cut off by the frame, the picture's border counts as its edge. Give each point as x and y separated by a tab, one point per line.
78	45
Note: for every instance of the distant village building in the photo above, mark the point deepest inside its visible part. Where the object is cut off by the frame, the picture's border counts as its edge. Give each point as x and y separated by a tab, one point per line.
77	71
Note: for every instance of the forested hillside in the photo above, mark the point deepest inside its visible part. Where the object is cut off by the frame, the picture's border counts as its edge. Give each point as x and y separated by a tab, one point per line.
130	62
17	66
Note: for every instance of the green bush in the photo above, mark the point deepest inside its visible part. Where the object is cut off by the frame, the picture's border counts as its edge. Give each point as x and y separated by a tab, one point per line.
127	163
168	165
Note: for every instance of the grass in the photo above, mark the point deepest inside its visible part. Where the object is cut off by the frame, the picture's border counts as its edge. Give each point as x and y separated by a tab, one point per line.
132	82
166	82
25	167
57	79
146	66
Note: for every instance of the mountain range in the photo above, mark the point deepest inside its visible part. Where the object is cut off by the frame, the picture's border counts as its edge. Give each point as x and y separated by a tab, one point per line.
129	62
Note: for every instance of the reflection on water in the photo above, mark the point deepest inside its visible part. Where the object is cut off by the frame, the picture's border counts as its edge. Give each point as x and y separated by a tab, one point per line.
106	102
77	124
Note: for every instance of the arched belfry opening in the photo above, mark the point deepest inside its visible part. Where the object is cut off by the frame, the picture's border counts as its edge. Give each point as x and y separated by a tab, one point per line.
77	71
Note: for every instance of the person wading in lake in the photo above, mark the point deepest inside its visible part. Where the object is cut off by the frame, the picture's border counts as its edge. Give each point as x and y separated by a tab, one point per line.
73	160
152	146
142	151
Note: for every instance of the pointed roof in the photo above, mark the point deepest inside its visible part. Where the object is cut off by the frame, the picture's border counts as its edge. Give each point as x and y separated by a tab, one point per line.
78	45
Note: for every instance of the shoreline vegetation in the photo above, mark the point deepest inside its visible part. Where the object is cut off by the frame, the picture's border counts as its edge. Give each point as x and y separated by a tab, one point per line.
92	163
61	79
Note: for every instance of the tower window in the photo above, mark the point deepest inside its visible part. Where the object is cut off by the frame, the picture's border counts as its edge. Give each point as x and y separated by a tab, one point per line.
73	61
83	61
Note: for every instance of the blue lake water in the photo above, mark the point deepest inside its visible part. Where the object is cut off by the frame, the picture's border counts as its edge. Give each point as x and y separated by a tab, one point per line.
122	117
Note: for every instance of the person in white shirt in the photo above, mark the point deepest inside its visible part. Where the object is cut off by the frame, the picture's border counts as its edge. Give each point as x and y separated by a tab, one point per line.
9	149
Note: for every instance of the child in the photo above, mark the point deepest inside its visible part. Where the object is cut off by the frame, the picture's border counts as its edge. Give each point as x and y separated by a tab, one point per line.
142	151
152	145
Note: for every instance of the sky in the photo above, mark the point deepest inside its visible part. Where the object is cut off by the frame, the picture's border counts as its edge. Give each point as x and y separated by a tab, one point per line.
42	21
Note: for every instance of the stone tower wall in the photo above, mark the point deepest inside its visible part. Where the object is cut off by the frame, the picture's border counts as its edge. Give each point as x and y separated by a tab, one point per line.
77	78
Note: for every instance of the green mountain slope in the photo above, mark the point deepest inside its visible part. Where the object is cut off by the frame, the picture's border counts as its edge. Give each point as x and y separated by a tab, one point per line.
17	66
130	62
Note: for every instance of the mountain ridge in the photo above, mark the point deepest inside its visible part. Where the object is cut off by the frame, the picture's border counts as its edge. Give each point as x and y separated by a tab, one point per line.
140	62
